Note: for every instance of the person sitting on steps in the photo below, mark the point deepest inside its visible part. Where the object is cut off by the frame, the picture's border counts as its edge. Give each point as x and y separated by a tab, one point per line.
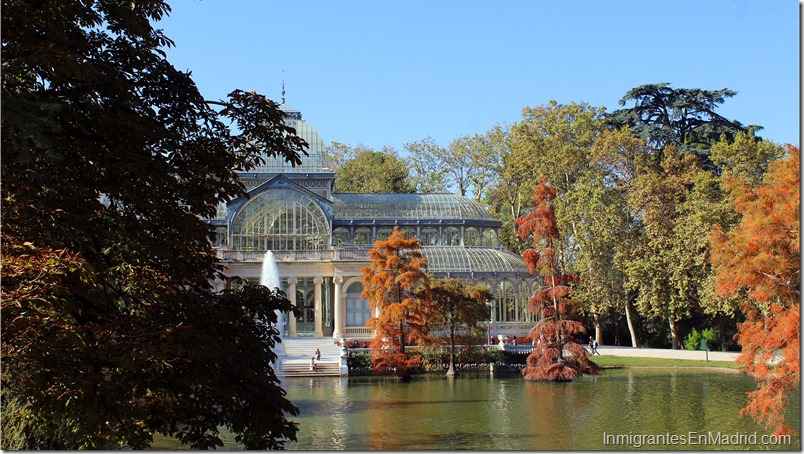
313	366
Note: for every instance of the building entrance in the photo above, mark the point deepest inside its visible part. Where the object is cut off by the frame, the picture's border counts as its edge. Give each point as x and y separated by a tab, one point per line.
305	301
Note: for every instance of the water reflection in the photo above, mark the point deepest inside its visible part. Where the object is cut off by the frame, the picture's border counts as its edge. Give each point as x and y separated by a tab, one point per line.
363	413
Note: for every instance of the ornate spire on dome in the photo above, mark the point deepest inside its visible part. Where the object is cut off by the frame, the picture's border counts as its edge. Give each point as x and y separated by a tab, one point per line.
289	112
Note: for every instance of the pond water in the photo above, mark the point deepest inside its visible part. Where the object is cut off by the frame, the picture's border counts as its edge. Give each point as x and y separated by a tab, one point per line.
620	409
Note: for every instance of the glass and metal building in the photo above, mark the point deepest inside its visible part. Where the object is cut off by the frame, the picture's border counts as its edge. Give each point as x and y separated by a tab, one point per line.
321	239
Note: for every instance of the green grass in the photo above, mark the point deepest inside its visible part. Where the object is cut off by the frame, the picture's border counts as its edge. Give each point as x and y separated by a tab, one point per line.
614	361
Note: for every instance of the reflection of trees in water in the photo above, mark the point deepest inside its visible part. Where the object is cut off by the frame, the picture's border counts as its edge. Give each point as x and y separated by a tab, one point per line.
493	413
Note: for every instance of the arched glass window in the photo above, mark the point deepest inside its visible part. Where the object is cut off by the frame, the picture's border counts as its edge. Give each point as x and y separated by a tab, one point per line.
489	238
452	237
471	237
363	237
384	233
491	287
218	239
357	309
429	236
522	301
410	232
279	220
340	236
506	303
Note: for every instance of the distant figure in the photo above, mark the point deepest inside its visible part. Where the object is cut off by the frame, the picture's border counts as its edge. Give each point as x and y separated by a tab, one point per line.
317	354
513	340
593	345
365	344
355	344
313	366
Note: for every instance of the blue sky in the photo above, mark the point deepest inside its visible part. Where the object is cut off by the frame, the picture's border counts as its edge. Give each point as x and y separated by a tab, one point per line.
391	72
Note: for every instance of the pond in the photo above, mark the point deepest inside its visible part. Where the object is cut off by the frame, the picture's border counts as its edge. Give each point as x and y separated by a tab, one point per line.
619	409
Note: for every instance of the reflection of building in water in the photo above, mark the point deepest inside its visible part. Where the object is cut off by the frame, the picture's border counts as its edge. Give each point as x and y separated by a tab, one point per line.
321	241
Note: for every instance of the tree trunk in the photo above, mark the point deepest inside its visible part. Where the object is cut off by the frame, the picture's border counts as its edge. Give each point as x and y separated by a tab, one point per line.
452	372
630	323
402	335
598	331
674	334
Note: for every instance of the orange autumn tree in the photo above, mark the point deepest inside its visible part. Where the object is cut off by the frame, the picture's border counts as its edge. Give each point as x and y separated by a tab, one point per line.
391	283
759	261
557	356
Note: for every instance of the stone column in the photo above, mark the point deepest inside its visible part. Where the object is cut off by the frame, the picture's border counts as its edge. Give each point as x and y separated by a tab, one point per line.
337	330
494	312
292	297
319	332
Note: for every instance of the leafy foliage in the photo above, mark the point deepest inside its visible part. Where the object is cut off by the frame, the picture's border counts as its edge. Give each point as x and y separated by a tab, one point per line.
392	284
368	171
557	356
458	308
111	157
684	117
759	261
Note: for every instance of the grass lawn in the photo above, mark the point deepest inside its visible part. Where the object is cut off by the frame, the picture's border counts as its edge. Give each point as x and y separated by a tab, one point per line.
613	361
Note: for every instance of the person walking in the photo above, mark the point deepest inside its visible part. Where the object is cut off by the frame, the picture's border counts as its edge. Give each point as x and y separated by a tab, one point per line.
317	354
593	345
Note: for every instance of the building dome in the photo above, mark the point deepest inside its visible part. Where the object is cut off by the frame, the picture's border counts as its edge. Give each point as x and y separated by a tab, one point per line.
407	207
459	259
316	160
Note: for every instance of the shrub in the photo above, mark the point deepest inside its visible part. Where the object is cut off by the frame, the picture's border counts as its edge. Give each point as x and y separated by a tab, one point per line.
359	360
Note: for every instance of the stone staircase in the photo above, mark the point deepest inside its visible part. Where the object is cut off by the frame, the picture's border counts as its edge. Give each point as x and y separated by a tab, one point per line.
295	353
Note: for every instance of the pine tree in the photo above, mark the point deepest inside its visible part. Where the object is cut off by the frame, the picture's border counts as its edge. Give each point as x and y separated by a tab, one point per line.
557	356
391	283
759	260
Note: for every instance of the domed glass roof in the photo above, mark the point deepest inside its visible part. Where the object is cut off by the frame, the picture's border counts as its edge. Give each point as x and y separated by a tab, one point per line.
460	259
315	162
407	206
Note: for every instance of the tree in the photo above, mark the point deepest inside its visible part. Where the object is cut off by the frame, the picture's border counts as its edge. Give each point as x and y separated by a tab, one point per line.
376	172
557	356
759	261
437	169
458	308
662	267
391	283
682	117
557	138
339	154
111	158
608	230
428	172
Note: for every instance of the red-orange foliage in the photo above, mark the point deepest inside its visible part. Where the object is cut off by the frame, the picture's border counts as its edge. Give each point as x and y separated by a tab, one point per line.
759	259
397	273
557	356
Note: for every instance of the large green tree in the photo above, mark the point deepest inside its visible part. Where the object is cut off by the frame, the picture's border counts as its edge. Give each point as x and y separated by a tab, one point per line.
111	329
675	201
369	171
684	117
458	308
428	174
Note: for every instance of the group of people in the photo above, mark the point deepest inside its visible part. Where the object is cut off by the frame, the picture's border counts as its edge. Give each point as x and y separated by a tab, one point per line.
593	345
356	344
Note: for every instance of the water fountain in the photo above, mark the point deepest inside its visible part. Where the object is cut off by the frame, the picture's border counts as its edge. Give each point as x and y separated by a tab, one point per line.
270	278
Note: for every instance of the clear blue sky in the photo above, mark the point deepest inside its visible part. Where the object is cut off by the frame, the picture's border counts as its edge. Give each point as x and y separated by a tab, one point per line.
382	72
